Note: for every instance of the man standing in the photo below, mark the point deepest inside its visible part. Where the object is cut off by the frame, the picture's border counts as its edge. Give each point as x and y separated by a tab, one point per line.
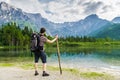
41	54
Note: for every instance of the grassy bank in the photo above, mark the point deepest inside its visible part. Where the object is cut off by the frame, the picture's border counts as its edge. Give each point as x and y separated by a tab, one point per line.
83	46
90	44
97	45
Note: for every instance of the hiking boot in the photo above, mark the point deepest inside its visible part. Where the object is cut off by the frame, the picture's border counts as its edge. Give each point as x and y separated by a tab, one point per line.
45	74
36	73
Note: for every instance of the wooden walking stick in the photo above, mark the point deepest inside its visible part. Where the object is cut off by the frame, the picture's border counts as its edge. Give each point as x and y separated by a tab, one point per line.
58	54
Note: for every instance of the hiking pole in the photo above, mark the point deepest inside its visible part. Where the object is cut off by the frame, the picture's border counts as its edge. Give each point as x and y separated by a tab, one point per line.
58	54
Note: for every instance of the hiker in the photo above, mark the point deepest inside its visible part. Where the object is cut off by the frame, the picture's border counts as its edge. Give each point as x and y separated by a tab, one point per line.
41	54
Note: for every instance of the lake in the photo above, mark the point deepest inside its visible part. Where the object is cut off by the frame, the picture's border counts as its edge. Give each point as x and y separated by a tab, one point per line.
71	58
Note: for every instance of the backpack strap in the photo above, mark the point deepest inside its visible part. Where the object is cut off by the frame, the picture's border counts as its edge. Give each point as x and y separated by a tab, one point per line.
40	47
38	40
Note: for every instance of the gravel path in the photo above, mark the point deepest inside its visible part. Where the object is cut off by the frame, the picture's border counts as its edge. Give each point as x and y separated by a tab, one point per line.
21	74
14	73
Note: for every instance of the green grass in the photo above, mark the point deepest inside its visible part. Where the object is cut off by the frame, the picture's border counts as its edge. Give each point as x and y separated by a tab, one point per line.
73	71
96	76
6	65
75	44
91	44
25	66
1	47
15	59
91	74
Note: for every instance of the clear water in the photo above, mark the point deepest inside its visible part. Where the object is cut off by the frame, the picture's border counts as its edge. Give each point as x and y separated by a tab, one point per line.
105	59
100	60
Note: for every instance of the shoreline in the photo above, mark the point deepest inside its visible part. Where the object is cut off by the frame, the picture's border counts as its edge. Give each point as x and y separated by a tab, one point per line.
111	71
78	74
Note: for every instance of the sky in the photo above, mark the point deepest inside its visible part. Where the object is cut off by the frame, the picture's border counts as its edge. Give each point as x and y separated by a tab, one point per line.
60	11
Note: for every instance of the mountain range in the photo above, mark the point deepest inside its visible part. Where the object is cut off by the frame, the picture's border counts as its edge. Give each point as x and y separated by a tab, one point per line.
109	31
92	25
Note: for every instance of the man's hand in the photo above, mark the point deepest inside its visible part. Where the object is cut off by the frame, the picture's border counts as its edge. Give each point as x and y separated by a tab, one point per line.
56	37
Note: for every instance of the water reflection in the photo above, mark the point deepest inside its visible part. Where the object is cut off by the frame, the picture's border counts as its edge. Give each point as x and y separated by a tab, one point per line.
74	56
69	51
14	52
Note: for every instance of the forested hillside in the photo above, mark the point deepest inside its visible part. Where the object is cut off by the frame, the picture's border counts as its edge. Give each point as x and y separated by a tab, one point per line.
13	35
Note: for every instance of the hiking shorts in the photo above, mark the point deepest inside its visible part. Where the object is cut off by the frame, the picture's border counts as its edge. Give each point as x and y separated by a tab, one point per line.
40	54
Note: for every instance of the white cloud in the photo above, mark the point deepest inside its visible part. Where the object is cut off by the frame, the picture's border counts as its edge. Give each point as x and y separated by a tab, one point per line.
69	10
5	1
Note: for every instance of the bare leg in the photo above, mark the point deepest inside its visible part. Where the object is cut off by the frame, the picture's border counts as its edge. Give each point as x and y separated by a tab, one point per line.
44	70
44	66
36	68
